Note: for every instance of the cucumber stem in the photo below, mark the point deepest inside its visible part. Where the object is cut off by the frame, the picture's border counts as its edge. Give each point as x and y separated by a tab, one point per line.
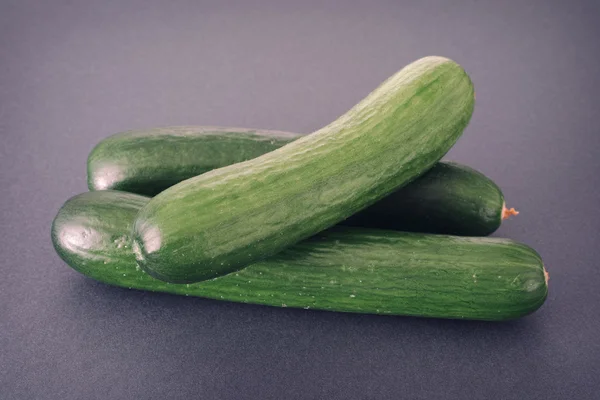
508	212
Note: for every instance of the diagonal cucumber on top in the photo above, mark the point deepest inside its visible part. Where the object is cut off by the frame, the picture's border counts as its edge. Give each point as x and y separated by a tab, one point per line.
223	220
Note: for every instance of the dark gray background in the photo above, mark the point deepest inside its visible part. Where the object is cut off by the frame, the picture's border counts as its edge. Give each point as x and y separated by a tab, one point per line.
72	73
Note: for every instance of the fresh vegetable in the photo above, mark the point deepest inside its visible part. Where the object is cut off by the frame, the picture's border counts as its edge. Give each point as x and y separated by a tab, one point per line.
449	198
149	161
227	218
343	269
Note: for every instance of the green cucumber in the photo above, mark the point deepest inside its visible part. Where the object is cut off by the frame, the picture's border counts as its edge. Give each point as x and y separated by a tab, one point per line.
227	218
343	269
149	161
450	198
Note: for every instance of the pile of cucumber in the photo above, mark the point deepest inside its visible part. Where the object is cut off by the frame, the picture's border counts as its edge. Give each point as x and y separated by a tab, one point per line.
359	216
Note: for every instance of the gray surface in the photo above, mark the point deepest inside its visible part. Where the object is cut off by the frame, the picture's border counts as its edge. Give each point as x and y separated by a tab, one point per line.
72	73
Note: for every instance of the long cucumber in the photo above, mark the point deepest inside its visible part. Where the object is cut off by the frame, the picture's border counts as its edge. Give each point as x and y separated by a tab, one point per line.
343	269
230	217
449	198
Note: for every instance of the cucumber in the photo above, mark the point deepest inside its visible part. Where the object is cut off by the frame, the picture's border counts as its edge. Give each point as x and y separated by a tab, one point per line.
450	198
343	269
149	161
227	218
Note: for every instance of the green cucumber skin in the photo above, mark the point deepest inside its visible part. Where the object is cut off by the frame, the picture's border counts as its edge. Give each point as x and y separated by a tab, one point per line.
149	161
344	269
450	198
230	217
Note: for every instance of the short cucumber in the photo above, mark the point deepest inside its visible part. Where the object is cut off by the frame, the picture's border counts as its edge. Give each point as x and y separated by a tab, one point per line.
450	198
149	161
227	218
344	269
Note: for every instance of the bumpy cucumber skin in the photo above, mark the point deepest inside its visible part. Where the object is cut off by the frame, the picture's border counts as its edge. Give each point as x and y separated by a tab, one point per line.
227	218
344	269
149	161
450	198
